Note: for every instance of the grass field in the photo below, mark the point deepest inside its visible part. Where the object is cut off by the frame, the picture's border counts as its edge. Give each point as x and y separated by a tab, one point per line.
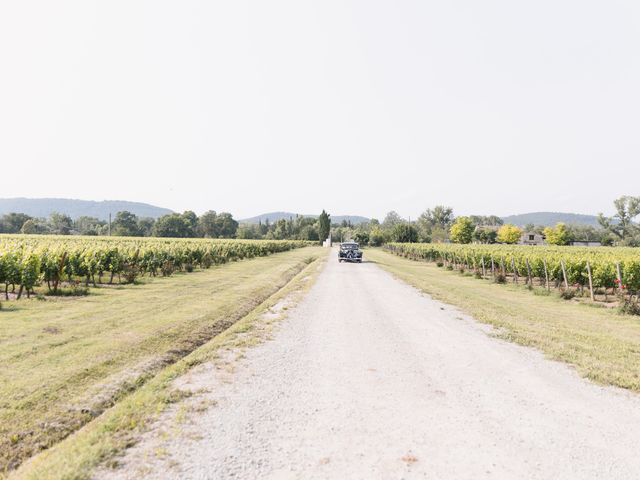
65	360
603	345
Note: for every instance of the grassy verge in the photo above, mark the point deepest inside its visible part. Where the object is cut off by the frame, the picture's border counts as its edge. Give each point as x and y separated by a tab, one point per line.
102	440
67	360
603	345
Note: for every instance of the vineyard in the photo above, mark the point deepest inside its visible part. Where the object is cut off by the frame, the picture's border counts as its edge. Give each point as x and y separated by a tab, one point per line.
576	270
55	261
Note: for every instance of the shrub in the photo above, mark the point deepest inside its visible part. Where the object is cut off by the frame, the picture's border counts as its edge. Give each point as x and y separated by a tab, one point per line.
629	307
567	294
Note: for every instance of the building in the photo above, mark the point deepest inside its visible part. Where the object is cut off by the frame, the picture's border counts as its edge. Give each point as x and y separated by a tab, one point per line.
531	238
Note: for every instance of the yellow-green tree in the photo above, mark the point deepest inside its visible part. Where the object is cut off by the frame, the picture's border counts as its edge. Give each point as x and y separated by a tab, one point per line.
462	230
558	235
509	234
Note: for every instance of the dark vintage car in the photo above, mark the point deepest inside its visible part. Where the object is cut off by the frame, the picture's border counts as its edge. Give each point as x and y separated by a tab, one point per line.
350	252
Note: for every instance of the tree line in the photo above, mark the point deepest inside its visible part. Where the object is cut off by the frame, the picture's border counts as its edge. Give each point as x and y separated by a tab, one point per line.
439	225
176	225
126	224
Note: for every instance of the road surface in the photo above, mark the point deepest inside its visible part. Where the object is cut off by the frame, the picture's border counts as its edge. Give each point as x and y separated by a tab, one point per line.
368	378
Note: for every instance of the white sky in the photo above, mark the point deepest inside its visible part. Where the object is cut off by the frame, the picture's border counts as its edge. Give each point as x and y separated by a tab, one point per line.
492	107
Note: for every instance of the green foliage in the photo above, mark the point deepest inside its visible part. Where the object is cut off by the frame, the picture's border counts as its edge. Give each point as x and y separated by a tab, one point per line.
60	224
404	233
391	220
27	261
125	225
377	236
33	227
621	224
324	226
13	222
558	235
485	235
509	234
362	238
462	230
89	226
602	261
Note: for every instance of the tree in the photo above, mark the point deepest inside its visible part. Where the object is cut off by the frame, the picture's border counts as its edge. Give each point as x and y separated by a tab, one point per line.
226	225
172	225
13	222
621	224
487	221
362	238
391	220
309	232
34	226
509	234
462	230
483	234
324	226
207	225
192	220
125	224
89	225
404	233
60	223
558	235
248	232
145	226
377	236
433	225
440	216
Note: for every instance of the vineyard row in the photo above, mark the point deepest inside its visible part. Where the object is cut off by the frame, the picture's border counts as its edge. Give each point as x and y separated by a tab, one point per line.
595	268
28	261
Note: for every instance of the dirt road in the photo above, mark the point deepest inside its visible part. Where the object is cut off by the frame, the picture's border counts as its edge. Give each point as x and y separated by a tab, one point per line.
367	378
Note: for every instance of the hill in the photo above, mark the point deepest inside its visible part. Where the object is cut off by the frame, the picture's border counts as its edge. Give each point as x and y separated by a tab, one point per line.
551	218
275	216
43	207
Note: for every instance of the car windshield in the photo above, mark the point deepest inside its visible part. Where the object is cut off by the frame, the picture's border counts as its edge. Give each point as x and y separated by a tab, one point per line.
349	246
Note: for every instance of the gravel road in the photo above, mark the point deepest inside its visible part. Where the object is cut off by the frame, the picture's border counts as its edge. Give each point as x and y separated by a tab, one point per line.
368	378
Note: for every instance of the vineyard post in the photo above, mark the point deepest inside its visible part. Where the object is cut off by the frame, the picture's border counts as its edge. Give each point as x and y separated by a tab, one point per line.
483	269
546	273
529	279
619	277
493	267
504	270
590	282
564	275
515	271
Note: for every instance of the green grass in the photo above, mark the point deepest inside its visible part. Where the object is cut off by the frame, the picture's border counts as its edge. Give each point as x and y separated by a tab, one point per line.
603	345
65	360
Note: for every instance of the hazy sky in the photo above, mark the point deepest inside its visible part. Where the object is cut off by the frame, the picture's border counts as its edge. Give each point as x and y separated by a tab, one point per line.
492	107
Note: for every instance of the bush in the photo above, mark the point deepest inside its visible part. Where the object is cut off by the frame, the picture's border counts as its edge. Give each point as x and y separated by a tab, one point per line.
567	294
440	264
500	278
629	306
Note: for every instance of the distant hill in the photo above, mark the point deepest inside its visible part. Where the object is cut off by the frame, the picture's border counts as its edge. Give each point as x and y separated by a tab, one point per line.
551	218
275	216
43	207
